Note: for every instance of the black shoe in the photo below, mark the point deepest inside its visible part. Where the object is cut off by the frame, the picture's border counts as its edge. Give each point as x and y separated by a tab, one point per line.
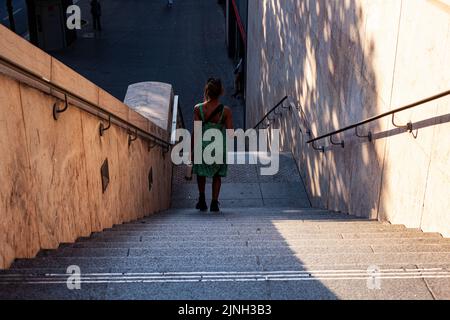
215	206
201	205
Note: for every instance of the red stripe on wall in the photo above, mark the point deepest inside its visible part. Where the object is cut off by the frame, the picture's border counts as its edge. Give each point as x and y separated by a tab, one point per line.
239	22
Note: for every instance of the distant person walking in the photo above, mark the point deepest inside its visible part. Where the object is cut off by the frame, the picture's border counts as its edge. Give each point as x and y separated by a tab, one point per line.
96	11
213	115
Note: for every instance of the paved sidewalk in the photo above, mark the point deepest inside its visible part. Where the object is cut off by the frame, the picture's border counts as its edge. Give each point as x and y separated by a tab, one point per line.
146	41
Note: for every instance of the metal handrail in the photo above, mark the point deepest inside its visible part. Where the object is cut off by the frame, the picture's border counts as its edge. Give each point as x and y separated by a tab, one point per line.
91	108
270	112
409	126
175	116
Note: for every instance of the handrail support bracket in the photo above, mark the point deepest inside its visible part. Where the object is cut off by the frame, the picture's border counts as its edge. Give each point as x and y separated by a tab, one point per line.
132	136
342	143
57	111
321	149
369	135
408	127
103	129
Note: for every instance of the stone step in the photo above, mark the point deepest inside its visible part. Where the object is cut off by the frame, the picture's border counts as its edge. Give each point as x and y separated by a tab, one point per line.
255	210
311	289
250	213
211	221
231	263
215	219
279	201
159	264
260	223
295	227
62	270
246	220
262	228
393	235
303	288
244	251
258	244
286	234
220	237
242	214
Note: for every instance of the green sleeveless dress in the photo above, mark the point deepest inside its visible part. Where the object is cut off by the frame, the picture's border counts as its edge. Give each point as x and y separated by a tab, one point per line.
206	170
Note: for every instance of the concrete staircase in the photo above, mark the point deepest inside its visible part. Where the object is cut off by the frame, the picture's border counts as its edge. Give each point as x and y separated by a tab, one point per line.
273	250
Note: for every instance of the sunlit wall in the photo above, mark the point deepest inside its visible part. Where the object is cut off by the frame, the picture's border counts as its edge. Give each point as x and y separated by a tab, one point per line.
345	61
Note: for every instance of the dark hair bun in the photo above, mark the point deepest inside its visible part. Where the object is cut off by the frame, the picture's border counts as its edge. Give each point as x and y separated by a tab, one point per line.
213	89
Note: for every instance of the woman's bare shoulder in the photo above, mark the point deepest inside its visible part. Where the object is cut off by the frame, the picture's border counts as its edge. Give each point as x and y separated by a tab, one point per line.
228	110
197	108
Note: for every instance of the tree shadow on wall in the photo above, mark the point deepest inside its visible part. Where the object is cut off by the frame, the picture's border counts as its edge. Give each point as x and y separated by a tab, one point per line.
323	54
324	60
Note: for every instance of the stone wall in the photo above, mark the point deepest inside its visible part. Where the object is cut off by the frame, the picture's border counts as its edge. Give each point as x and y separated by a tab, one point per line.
344	61
51	189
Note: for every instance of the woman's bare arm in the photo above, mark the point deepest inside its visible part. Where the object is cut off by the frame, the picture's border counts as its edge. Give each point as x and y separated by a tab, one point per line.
228	119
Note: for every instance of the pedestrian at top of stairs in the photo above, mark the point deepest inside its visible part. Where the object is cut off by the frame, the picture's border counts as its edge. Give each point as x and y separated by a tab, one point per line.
213	115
